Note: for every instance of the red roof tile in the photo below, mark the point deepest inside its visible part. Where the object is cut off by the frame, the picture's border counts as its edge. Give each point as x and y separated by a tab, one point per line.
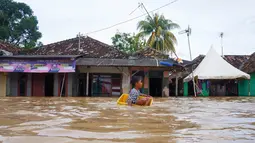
9	47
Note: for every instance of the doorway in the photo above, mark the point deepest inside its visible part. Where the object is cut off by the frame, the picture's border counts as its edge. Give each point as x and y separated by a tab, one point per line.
155	87
49	85
22	85
82	85
38	84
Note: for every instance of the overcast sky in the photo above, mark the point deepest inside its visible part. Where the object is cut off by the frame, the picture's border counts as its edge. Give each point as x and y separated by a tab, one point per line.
64	19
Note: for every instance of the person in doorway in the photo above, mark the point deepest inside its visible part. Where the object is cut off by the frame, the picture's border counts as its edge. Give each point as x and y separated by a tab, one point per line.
135	92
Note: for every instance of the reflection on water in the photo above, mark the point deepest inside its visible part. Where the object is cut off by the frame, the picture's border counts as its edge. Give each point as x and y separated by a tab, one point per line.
82	120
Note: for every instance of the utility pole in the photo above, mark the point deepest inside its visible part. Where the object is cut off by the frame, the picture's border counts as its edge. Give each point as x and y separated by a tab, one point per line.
188	32
221	41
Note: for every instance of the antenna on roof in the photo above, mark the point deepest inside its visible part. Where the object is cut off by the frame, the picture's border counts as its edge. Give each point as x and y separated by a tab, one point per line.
221	37
188	32
79	43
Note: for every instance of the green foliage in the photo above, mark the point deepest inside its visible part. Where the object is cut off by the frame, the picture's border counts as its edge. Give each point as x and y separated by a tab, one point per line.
157	28
128	43
18	25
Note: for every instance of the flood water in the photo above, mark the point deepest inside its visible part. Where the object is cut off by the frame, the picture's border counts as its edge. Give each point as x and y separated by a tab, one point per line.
100	120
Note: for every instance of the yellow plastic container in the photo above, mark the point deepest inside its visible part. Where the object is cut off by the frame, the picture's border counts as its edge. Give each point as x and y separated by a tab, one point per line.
123	100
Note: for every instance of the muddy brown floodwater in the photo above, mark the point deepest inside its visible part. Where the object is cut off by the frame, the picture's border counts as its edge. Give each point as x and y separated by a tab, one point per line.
100	120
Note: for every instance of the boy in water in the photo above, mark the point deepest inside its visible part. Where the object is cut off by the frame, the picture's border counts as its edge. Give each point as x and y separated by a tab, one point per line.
135	92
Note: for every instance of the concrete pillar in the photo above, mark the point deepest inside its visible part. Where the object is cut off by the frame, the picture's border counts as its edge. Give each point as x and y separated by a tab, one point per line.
3	84
14	84
146	81
75	86
29	84
165	85
176	85
69	84
125	82
55	86
87	84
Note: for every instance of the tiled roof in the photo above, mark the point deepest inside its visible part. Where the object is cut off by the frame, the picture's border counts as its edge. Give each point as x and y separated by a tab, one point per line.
249	65
4	46
150	53
235	60
89	48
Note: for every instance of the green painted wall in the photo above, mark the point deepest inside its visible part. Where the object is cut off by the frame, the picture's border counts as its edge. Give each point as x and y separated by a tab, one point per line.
205	90
252	84
185	89
243	88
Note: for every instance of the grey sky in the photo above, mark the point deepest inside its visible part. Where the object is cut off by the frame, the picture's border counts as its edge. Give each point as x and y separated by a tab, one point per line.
63	19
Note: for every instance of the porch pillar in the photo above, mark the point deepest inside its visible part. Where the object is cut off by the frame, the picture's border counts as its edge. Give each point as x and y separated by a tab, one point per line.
146	81
87	84
29	84
14	84
125	82
70	84
176	86
165	83
55	85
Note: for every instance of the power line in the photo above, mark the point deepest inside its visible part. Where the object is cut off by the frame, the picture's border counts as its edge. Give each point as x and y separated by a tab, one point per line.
130	19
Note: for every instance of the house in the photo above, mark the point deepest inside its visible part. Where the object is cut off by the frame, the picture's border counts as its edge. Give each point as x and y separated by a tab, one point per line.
83	66
230	86
6	49
144	63
247	87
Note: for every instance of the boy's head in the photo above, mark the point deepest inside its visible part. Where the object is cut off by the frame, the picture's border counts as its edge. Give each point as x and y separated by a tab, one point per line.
137	82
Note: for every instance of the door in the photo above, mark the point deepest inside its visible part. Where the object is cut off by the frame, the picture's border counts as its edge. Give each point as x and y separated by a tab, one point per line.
22	84
38	85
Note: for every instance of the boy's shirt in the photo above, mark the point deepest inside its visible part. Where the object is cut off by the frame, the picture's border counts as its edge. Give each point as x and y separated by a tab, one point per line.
133	95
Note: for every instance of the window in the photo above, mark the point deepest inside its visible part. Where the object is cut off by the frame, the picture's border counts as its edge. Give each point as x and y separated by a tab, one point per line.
106	85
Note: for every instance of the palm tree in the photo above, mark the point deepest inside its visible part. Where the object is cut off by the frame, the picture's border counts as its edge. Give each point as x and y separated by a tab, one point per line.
159	31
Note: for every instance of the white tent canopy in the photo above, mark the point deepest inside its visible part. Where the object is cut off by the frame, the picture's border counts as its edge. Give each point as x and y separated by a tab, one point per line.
214	66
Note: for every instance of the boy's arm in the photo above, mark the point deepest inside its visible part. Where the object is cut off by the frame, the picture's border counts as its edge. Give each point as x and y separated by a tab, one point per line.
141	94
